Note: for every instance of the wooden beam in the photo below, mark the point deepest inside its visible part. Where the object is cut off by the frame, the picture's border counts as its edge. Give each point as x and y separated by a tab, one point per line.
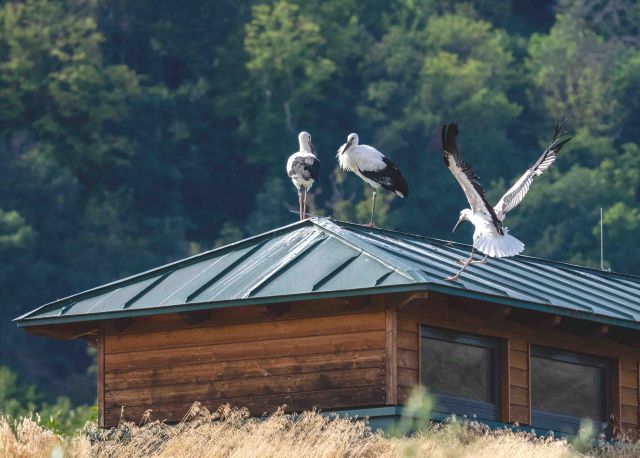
277	310
121	324
600	331
552	321
84	333
616	398
467	309
91	340
195	317
356	302
391	353
505	384
100	377
502	312
410	297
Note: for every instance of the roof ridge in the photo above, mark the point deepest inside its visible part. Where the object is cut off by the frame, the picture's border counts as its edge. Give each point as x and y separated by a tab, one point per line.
328	224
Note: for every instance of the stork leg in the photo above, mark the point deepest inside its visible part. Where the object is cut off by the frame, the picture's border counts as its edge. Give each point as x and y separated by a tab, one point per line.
481	261
304	205
300	203
464	266
373	208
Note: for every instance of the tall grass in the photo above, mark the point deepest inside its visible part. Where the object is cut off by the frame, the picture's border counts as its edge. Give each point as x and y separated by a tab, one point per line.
231	433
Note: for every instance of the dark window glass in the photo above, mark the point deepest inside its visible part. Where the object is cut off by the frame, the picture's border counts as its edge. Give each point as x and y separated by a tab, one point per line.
461	371
566	388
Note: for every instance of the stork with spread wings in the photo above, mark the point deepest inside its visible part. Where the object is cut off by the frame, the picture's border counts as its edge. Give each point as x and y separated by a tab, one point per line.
489	236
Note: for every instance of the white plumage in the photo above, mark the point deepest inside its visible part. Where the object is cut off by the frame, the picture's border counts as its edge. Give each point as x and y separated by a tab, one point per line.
303	167
373	167
489	236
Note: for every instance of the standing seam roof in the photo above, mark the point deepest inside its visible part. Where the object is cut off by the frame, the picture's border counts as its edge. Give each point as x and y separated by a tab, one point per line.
321	257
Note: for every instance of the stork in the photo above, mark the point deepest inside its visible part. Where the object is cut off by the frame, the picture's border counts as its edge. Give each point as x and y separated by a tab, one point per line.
303	167
373	167
490	236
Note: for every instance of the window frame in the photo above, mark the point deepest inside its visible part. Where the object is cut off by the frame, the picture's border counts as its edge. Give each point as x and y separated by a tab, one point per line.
449	405
568	423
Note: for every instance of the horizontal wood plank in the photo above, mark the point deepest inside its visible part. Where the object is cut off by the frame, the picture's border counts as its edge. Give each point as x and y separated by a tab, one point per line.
242	315
519	396
256	386
234	351
408	359
407	324
519	414
629	363
245	332
226	370
629	396
519	377
629	378
629	414
408	340
407	377
295	402
519	359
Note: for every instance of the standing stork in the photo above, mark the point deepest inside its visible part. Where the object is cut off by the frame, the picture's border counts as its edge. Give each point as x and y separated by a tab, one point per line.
303	167
373	167
489	236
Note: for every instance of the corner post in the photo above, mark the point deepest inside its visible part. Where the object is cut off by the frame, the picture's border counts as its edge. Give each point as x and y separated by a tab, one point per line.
391	354
100	375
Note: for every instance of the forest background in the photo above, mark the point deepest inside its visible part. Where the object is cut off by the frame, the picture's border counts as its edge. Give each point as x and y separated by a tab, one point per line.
134	133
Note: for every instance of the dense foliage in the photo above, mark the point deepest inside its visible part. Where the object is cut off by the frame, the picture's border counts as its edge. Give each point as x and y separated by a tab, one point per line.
135	133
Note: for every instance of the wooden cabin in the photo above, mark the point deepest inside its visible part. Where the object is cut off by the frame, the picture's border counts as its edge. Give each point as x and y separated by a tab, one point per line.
340	317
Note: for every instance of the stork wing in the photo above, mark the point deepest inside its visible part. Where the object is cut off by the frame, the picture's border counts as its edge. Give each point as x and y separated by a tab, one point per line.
465	176
514	196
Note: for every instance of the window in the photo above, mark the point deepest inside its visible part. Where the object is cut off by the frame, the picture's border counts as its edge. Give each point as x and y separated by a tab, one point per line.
462	372
566	388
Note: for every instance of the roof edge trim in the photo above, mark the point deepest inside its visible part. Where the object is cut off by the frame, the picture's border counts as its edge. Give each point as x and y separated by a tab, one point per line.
453	291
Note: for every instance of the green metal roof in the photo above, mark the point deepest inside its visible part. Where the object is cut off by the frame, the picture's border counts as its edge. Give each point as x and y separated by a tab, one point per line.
321	257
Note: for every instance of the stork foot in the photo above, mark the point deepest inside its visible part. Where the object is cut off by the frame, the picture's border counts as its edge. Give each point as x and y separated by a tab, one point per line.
453	277
480	261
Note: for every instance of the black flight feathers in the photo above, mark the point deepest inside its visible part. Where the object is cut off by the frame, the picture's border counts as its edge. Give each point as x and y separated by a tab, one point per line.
389	178
556	144
450	150
305	167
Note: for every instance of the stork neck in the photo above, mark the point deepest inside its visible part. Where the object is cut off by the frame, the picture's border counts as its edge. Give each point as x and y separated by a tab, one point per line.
305	147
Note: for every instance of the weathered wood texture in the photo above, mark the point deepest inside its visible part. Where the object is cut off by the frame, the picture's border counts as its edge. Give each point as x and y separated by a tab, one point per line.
309	356
100	375
518	334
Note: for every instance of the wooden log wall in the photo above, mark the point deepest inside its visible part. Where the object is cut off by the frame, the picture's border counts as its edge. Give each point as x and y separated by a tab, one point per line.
518	330
323	355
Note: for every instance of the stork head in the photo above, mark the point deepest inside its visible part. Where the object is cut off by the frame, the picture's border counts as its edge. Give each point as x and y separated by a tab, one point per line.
465	215
304	139
352	140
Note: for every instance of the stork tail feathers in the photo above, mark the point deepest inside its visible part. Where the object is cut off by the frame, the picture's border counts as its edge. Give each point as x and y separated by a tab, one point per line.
402	187
499	246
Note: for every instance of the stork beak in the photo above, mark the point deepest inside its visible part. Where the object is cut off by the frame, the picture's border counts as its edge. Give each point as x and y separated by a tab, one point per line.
457	224
346	147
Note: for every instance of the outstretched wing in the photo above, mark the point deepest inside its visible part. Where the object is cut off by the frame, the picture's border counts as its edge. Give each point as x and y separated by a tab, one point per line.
514	196
465	176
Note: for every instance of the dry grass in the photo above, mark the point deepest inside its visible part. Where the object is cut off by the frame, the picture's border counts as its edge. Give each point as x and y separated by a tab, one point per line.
230	433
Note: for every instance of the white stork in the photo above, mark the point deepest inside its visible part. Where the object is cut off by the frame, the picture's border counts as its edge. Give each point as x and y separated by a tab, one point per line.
373	167
489	236
303	167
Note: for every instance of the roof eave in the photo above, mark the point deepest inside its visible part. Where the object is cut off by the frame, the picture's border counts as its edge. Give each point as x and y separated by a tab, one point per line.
430	287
